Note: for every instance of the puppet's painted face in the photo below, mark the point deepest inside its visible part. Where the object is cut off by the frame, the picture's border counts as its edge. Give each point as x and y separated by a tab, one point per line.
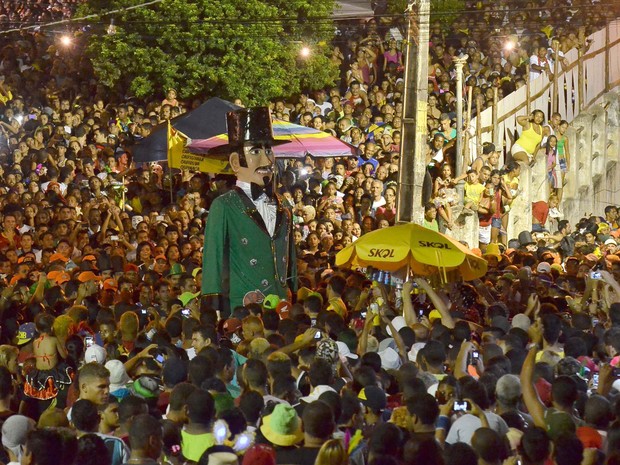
258	166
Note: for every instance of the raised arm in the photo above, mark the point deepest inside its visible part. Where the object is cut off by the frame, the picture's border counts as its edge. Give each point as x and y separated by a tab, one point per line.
533	403
446	318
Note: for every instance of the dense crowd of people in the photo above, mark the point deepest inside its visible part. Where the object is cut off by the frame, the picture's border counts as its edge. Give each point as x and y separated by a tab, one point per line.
111	356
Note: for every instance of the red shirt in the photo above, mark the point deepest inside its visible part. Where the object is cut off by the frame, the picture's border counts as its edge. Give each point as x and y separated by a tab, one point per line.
540	212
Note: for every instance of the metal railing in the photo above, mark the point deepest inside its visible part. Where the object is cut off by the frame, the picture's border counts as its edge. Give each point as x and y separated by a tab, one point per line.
590	73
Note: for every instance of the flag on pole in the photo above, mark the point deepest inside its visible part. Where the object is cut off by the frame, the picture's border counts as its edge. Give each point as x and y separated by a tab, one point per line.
179	156
176	145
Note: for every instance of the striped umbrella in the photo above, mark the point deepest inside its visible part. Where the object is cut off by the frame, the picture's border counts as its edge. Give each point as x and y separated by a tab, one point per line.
301	141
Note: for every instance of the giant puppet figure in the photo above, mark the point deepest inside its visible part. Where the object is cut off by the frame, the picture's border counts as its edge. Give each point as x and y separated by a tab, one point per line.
249	250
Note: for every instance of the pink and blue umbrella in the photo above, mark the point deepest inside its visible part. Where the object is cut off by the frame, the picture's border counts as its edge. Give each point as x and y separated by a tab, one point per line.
301	141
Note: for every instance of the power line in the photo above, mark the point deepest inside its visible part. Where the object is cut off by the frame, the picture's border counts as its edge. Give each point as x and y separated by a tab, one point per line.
310	20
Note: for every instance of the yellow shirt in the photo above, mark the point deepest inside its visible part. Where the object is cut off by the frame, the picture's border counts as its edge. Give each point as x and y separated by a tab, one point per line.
473	192
337	305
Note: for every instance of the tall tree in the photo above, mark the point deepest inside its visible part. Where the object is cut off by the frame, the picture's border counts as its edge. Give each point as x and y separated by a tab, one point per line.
247	49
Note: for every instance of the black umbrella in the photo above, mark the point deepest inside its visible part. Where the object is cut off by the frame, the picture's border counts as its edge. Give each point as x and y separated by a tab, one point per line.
206	121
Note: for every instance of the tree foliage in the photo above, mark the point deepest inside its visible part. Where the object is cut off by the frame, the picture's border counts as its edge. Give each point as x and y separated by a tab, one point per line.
445	11
247	49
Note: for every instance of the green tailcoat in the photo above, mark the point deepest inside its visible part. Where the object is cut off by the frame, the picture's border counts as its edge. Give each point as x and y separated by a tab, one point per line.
240	256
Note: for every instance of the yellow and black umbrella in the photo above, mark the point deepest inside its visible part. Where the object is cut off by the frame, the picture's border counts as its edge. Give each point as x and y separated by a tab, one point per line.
423	251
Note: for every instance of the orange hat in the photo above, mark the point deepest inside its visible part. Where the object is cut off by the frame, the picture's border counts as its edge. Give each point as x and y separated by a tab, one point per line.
58	256
612	258
89	258
590	258
511	269
161	257
110	285
86	276
476	251
58	277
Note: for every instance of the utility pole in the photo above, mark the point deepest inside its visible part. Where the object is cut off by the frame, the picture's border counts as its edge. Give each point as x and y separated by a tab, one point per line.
412	168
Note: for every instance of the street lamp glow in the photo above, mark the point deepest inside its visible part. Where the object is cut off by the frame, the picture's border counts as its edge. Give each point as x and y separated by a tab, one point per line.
65	40
305	52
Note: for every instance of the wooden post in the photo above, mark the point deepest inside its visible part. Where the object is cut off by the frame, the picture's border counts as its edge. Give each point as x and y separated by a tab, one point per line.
607	79
459	62
412	167
580	78
478	126
528	91
467	159
556	71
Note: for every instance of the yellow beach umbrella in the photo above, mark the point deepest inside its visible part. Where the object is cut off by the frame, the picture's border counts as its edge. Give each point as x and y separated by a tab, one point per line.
424	251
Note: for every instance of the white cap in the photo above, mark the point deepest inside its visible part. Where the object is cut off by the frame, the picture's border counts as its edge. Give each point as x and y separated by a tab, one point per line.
344	351
398	323
543	267
95	353
390	359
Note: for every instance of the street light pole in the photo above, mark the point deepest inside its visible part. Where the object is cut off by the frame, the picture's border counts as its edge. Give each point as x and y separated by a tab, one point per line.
412	167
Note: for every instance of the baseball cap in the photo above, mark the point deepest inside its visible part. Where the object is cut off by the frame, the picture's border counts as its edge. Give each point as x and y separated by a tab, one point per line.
271	302
543	267
25	333
373	397
145	387
58	257
187	297
398	323
95	353
110	285
231	325
86	276
283	308
344	351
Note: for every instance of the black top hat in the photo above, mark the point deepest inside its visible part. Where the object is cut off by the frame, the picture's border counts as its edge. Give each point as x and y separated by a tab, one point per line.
248	125
525	238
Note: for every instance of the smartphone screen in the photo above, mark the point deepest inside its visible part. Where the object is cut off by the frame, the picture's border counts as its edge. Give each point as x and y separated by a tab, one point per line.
461	406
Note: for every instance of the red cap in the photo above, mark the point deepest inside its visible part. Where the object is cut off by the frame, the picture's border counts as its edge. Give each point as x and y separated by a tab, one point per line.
283	309
231	325
130	267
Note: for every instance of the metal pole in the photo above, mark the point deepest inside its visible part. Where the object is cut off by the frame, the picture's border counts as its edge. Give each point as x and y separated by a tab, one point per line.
459	62
412	166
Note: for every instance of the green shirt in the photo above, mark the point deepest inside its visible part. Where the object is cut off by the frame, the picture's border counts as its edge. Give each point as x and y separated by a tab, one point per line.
432	225
194	445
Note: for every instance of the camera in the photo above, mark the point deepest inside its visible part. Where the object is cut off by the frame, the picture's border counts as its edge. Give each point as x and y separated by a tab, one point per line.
595	275
461	406
185	312
318	335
